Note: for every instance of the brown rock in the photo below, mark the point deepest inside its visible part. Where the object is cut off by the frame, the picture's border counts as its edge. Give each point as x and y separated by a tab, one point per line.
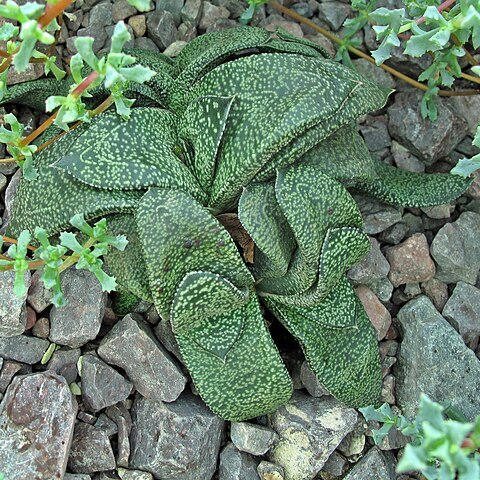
437	292
41	329
37	417
410	261
138	24
376	311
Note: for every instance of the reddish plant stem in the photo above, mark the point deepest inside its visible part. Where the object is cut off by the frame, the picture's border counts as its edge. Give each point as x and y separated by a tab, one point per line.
292	14
6	64
4	54
86	82
77	92
52	11
15	242
440	8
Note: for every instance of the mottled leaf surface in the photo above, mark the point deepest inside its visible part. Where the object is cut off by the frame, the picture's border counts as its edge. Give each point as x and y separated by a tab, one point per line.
339	344
179	236
128	266
204	124
238	380
262	218
142	152
410	189
201	295
37	202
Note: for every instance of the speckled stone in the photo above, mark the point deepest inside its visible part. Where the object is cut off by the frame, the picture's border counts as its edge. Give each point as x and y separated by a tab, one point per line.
37	418
310	429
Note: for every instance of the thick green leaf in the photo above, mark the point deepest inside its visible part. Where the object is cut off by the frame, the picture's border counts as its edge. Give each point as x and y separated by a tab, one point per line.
341	249
34	94
202	295
410	189
339	343
115	154
234	364
54	197
343	156
259	133
262	218
203	124
288	43
179	236
127	266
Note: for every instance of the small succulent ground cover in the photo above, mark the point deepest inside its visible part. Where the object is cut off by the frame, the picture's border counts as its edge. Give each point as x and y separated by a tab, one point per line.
231	182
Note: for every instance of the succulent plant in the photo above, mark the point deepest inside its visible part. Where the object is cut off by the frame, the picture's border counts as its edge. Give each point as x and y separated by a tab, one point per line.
231	181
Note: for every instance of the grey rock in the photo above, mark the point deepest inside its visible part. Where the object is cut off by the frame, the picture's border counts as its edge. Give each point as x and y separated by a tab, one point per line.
405	160
9	196
304	9
37	416
394	234
310	381
91	450
41	329
469	109
354	442
310	429
270	471
107	425
130	345
172	6
373	267
146	43
164	333
192	12
64	362
101	16
8	371
336	465
221	24
13	314
382	288
251	438
121	416
236	465
428	140
3	182
23	349
77	476
456	250
102	386
39	297
79	321
378	216
375	465
375	133
373	73
133	474
334	13
462	310
210	14
161	28
175	440
174	49
121	10
438	211
434	360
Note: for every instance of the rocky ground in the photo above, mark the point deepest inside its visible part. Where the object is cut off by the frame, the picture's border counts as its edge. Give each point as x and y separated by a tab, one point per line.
420	286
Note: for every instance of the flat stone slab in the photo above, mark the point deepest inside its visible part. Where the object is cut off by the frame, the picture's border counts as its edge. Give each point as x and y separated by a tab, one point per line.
131	345
433	359
310	429
37	417
178	440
